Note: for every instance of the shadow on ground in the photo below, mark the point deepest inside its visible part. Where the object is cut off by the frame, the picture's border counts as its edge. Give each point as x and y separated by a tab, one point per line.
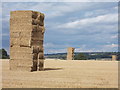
46	69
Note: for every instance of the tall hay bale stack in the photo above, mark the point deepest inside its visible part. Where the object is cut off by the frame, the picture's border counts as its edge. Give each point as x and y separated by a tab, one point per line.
70	53
26	40
114	57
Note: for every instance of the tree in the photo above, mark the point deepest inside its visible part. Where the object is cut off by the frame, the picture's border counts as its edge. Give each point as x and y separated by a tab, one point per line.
3	54
80	56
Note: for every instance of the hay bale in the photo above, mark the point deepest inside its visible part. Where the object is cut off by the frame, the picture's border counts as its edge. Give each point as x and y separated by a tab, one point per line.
27	35
25	42
41	28
34	67
20	28
21	14
35	21
41	64
37	49
21	55
70	53
34	14
36	42
41	56
15	34
14	41
114	57
21	49
21	65
41	19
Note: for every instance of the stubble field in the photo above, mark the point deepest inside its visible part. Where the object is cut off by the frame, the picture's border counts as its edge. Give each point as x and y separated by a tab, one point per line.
64	74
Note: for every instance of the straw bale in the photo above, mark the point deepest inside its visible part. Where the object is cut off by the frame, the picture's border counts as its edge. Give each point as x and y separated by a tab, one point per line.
36	42
34	67
38	28
35	21
34	14
41	28
19	14
15	34
19	28
34	27
14	41
41	64
21	65
114	57
21	49
20	21
20	55
35	56
41	55
25	41
70	53
41	18
36	34
38	49
25	34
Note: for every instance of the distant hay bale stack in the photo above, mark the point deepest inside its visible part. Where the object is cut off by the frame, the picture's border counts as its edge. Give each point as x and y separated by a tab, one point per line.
114	57
70	53
26	40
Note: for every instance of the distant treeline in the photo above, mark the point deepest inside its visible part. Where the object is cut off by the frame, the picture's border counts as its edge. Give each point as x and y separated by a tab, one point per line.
3	54
56	56
77	55
84	55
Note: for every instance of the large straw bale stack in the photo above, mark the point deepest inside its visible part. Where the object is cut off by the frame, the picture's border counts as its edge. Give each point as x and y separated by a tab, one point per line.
70	53
26	40
114	57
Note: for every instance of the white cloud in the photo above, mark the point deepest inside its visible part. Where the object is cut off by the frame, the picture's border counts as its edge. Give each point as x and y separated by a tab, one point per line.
109	18
4	34
49	45
51	10
101	11
83	50
99	48
50	51
114	36
116	8
111	45
52	45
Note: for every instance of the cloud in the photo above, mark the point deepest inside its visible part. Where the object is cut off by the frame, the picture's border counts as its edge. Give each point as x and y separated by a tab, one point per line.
114	36
87	26
51	9
109	18
4	34
82	50
50	51
49	45
111	45
56	45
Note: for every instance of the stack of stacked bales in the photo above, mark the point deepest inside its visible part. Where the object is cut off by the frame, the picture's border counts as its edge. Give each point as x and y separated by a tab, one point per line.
70	53
26	40
114	57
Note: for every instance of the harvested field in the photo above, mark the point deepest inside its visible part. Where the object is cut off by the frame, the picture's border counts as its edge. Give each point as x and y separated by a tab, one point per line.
64	74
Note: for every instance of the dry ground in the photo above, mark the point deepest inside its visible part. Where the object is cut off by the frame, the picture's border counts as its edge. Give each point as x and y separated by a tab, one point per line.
64	74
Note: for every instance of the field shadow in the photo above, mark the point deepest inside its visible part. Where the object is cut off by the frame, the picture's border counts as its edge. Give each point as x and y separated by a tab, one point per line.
46	69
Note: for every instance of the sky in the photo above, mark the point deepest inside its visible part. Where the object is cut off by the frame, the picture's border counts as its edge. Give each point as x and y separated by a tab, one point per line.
86	26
